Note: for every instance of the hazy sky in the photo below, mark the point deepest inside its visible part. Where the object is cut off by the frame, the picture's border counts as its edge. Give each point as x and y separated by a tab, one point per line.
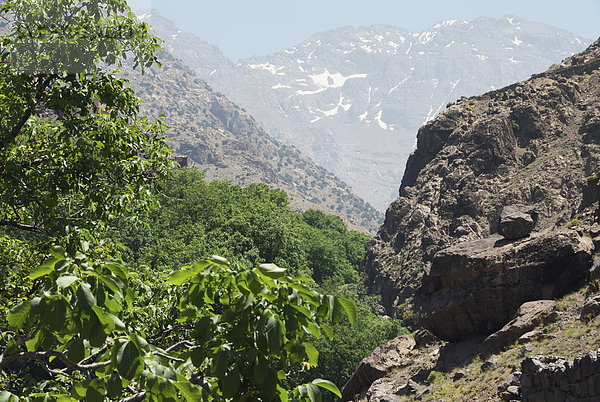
244	28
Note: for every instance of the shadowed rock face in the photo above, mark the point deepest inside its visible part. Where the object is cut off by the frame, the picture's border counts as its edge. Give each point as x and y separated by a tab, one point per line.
532	143
475	287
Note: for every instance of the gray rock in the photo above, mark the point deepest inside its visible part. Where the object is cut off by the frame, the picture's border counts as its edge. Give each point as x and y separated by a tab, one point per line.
425	338
411	388
458	375
517	221
488	365
528	316
475	287
378	364
591	307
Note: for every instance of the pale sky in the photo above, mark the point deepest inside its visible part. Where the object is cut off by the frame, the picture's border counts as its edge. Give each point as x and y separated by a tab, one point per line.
243	28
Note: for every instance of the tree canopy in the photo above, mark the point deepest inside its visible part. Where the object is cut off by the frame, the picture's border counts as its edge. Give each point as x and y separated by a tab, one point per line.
76	158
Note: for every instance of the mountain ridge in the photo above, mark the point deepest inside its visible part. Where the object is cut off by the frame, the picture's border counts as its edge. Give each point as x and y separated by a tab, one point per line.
351	98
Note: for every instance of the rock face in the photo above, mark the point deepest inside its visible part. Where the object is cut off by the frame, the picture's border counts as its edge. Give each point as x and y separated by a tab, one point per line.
525	144
517	221
550	378
528	316
475	287
378	364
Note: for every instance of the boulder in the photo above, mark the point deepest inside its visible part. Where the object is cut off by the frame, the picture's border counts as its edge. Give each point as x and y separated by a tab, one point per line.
475	287
517	221
529	315
378	364
591	307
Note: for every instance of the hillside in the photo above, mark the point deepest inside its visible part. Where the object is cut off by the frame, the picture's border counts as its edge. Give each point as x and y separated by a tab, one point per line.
226	142
352	98
445	260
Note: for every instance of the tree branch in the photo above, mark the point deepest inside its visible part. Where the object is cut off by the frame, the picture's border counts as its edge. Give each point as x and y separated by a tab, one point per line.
40	356
22	226
17	128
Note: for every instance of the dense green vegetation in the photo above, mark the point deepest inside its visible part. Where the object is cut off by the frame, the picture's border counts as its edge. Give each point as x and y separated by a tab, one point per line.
255	225
108	289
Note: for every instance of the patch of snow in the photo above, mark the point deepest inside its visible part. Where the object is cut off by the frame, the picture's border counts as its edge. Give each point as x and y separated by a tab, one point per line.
410	47
398	84
379	38
332	112
212	72
393	44
327	80
381	123
510	20
482	57
444	24
427	37
367	48
454	84
516	41
279	86
269	67
512	60
363	116
450	44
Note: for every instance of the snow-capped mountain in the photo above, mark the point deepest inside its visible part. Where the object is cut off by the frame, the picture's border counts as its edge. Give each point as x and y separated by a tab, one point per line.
353	98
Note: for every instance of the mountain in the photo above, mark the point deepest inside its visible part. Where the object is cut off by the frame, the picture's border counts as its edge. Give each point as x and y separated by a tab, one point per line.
228	144
352	98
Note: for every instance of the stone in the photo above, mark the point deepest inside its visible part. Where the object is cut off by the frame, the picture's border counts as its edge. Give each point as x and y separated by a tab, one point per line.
458	375
512	380
488	365
378	364
591	307
424	338
411	388
527	317
475	287
595	269
517	221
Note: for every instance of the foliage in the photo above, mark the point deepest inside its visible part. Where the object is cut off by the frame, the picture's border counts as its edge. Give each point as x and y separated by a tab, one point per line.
340	355
253	225
73	152
246	330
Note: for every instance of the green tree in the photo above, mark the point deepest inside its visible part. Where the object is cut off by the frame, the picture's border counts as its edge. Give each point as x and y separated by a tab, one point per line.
75	157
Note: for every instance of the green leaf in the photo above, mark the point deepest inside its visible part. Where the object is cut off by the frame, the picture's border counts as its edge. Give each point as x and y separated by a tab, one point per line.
105	320
114	386
328	385
6	396
85	297
118	270
350	308
179	277
272	270
95	391
58	252
17	316
232	383
66	281
328	331
140	342
314	394
129	360
219	260
189	391
312	353
273	328
44	269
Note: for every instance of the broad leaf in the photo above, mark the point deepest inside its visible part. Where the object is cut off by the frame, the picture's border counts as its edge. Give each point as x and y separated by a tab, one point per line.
179	277
328	385
350	308
17	316
272	270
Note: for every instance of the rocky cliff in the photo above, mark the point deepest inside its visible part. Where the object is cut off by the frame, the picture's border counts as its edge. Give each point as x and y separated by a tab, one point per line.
536	142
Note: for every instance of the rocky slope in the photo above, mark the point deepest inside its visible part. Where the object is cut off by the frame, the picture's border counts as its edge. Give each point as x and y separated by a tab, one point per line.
534	142
510	295
352	98
228	144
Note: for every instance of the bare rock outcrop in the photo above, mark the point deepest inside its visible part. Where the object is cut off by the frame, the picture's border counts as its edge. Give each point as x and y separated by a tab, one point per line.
535	143
527	317
517	221
475	287
378	364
